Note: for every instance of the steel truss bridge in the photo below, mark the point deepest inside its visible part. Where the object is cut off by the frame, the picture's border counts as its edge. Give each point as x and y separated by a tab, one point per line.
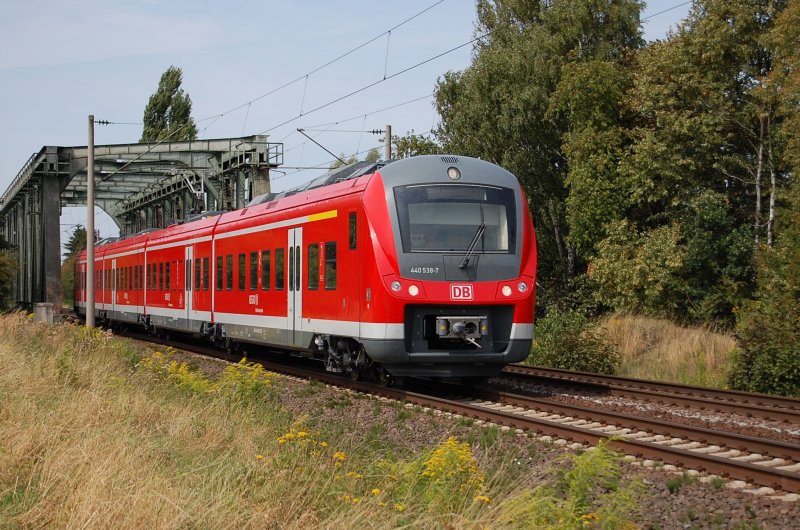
140	186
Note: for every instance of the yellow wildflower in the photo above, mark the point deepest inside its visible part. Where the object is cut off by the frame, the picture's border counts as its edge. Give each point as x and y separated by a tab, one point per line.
399	507
483	498
259	457
376	492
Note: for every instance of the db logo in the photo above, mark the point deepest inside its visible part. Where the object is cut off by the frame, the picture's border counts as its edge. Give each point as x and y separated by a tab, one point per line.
461	292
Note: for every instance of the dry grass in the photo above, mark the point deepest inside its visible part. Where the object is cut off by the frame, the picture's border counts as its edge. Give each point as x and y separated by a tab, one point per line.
93	435
658	349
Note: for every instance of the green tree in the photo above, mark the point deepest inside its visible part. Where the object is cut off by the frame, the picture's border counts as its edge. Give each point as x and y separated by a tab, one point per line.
168	114
414	144
769	338
691	154
347	161
768	334
373	155
497	108
76	242
8	265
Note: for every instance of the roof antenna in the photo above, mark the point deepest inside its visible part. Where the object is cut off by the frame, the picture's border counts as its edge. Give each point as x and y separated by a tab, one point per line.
322	146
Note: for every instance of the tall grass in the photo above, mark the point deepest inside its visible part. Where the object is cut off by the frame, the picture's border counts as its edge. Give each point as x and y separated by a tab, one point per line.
95	433
658	349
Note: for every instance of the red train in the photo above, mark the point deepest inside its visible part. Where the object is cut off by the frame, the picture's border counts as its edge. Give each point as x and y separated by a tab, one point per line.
425	266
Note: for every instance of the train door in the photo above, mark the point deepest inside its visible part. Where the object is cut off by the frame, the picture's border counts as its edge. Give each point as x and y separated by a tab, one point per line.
187	288
114	285
295	298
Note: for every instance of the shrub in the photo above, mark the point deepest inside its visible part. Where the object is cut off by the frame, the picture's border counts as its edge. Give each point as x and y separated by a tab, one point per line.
8	266
639	271
566	340
588	494
769	356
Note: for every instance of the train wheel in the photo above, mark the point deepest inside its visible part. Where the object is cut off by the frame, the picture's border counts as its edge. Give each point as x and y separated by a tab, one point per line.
386	379
355	375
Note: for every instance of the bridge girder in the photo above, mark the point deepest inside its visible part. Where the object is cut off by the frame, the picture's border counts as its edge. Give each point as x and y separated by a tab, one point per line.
136	184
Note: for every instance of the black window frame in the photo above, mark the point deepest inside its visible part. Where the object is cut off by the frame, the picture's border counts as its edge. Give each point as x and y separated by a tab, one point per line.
353	230
312	264
265	270
242	271
198	271
229	272
254	271
280	269
330	272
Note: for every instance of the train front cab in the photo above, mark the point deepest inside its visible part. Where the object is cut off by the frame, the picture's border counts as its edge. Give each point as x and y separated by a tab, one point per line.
457	267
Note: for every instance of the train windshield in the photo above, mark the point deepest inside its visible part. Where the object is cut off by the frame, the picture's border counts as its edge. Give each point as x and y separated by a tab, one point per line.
448	217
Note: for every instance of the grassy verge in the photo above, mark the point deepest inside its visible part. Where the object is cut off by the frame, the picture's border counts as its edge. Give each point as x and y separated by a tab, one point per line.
95	432
660	350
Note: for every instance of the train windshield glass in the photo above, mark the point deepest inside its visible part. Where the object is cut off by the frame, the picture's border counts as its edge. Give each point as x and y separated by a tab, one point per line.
447	217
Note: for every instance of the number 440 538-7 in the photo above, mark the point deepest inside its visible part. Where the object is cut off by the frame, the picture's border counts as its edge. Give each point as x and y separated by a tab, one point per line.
424	270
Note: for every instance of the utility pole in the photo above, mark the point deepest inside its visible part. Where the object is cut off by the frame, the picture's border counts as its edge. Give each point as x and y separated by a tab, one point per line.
90	225
387	144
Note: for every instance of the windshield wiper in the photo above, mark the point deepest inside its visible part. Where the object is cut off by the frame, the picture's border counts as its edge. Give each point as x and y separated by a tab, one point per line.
473	245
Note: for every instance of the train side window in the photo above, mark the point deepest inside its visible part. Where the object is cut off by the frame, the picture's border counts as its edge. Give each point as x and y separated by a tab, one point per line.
291	268
219	273
166	276
254	271
135	277
205	274
198	266
242	271
150	276
141	277
353	226
188	275
279	266
330	265
313	266
129	277
265	255
229	272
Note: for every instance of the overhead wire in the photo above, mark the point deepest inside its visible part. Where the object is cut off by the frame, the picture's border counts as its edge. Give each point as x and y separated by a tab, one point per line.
332	61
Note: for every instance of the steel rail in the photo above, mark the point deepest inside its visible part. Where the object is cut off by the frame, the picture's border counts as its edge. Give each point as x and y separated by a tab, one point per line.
741	442
750	404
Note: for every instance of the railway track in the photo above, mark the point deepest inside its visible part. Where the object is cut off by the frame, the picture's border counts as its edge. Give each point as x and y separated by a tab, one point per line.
750	460
764	406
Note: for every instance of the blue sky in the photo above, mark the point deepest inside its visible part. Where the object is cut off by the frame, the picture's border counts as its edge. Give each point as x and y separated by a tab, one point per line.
62	61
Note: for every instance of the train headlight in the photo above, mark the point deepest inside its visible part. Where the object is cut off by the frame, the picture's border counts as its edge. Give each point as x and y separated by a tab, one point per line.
522	287
396	286
413	290
506	290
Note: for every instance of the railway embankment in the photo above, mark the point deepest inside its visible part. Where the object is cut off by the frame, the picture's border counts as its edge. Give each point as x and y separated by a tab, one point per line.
98	431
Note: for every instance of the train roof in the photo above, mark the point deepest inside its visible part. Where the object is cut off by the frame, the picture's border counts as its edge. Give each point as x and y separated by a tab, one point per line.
340	174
